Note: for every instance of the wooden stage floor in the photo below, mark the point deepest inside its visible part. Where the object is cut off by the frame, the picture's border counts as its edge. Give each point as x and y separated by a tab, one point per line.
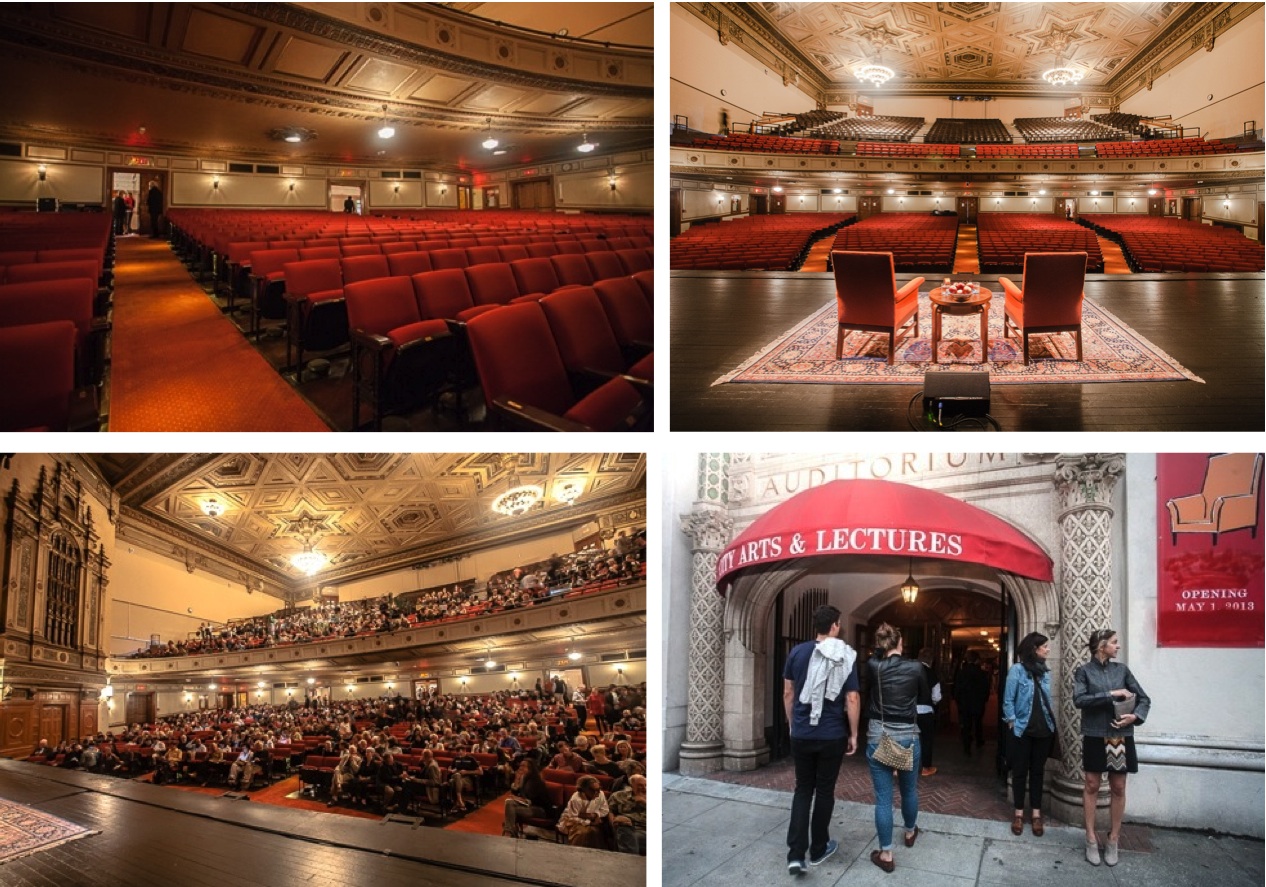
1210	323
152	835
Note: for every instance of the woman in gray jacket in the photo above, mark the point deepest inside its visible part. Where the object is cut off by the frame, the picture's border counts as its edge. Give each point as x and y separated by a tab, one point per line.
1107	739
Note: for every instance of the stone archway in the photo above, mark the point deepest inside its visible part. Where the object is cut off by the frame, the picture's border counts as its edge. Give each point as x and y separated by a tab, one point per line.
745	620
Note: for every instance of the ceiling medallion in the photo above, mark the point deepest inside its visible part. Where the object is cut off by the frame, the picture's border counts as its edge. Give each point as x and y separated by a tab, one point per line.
876	74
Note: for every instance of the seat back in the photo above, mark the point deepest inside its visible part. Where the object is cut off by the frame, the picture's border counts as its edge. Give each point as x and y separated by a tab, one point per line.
358	268
535	276
319	252
442	294
572	269
582	331
1052	286
360	249
454	257
479	255
517	359
381	304
41	301
313	276
39	361
631	318
409	264
646	280
53	271
605	264
542	250
399	246
492	284
512	252
271	261
635	260
865	287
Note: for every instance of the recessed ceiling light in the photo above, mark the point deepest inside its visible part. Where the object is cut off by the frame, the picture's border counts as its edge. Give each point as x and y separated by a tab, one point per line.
294	137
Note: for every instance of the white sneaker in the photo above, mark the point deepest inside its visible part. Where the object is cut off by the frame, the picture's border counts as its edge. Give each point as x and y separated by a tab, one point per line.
796	867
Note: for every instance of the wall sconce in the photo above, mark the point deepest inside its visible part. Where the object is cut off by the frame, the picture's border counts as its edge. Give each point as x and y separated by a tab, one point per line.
464	679
350	689
720	200
611	181
391	685
443	190
292	186
43	171
215	183
107	693
397	188
259	694
290	691
188	698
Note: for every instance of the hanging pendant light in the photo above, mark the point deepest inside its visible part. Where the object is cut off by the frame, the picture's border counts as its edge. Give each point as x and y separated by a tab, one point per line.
490	142
585	145
387	130
910	588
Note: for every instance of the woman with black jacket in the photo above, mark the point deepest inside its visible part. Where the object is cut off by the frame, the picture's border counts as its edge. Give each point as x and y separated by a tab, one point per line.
901	684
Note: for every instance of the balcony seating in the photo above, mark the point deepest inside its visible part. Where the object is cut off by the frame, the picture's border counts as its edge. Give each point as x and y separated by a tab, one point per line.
1063	129
955	130
1027	152
526	385
906	149
867	298
764	144
1162	148
1049	298
1228	499
873	129
399	358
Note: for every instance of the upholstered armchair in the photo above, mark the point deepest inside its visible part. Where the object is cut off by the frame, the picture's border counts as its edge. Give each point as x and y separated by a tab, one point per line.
868	299
1048	299
1227	501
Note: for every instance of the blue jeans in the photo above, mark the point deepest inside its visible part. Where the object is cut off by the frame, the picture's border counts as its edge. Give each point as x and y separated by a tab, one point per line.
817	768
881	778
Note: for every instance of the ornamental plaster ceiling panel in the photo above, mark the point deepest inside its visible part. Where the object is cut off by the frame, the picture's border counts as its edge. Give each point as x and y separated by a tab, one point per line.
957	43
230	78
365	513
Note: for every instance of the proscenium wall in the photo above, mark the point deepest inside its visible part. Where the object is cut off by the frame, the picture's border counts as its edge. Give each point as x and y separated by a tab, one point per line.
701	67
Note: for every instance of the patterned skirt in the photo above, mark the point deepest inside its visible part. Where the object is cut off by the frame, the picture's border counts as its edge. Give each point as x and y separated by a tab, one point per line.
1110	754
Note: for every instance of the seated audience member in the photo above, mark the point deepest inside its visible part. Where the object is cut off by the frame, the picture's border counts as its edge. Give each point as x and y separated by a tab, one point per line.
529	798
566	759
242	770
603	764
390	780
91	757
43	750
584	817
427	783
344	773
214	765
580	746
628	815
465	773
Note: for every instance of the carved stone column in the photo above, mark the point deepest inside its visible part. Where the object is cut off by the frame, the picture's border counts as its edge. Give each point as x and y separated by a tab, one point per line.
709	529
1084	482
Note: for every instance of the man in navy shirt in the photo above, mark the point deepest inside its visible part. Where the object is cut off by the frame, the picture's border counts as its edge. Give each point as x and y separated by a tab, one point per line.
819	683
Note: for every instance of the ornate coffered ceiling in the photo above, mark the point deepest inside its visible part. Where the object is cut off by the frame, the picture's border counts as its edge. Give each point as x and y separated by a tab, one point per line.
223	78
366	513
946	48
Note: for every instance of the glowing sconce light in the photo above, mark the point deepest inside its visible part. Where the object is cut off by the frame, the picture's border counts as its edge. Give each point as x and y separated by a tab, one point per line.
351	688
397	188
292	186
464	679
910	588
43	171
611	180
215	183
290	691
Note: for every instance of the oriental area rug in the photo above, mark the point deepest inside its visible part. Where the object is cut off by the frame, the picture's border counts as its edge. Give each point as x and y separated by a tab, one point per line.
25	830
1111	352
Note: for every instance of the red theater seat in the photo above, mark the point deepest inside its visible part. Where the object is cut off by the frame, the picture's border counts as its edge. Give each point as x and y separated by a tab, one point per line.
38	361
316	312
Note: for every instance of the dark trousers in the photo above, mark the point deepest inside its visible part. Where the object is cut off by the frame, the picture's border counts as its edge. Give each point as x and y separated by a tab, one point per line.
927	738
817	767
1028	756
971	723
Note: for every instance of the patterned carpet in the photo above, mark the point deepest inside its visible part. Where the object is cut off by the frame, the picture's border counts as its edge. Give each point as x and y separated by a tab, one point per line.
1112	352
25	830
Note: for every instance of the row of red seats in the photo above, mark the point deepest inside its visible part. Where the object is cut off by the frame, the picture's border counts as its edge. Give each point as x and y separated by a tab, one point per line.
905	149
767	243
1161	148
1024	152
1158	243
769	144
916	241
1004	238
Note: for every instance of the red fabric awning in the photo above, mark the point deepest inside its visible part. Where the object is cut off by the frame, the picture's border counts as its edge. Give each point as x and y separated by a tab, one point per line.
879	517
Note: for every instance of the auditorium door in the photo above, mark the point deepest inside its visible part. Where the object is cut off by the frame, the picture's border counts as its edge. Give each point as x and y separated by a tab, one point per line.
869	206
674	212
1156	206
139	708
777	203
53	723
534	194
760	204
967	208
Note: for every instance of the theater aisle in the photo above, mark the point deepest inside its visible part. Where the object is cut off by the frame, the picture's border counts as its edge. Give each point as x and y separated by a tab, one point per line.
178	364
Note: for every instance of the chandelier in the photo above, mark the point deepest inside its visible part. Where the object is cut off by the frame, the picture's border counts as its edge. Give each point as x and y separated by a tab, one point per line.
212	507
306	561
875	73
569	491
910	588
1062	75
518	498
490	142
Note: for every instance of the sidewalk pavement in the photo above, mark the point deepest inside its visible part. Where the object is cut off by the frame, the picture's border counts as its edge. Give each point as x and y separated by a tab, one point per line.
721	834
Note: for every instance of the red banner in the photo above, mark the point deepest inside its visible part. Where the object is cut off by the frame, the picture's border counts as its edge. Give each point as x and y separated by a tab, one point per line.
1209	550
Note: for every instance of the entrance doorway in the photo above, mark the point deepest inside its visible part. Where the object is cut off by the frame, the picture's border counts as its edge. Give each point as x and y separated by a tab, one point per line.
967	209
139	708
339	194
533	194
869	206
129	182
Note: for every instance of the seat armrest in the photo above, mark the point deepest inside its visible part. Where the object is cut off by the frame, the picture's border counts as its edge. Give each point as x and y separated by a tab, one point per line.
83	413
294	298
372	341
911	287
456	327
1013	292
529	415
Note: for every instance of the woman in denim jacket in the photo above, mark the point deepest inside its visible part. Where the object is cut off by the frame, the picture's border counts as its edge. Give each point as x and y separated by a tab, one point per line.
1107	741
1031	719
